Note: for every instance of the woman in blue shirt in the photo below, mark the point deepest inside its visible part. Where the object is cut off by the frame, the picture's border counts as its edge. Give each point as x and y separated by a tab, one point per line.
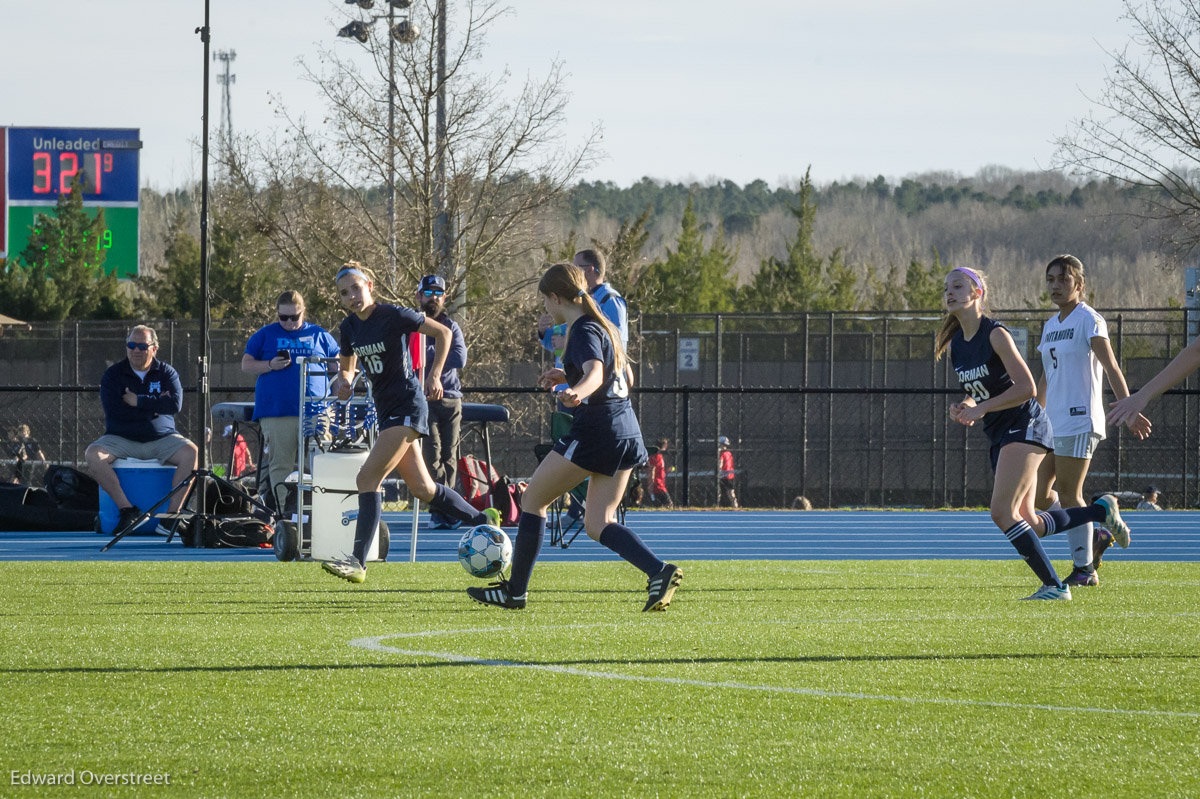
273	353
603	446
376	335
1001	394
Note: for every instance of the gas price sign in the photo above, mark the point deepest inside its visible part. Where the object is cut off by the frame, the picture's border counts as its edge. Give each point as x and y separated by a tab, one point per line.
43	163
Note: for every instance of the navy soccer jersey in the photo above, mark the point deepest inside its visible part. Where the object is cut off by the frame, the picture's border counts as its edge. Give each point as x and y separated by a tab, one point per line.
380	343
982	375
606	414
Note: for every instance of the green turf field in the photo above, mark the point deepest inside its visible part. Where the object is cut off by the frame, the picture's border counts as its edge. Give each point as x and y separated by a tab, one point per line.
884	678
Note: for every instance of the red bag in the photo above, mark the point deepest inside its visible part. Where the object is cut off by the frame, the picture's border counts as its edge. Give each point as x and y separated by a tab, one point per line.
476	477
506	498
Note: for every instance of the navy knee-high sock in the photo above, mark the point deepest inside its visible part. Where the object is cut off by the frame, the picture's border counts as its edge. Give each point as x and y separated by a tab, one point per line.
531	530
449	502
1029	547
627	544
370	509
1062	519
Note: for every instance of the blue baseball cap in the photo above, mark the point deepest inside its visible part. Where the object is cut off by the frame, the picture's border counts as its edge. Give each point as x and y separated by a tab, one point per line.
432	282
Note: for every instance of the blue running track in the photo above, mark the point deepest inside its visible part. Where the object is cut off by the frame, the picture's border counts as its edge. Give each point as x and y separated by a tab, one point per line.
701	535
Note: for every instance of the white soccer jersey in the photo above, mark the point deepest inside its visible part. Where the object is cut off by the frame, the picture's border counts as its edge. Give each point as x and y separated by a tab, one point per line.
1073	373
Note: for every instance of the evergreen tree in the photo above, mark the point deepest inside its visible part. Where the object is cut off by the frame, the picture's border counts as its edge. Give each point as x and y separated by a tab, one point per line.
692	278
173	292
625	253
565	251
60	273
886	294
924	287
804	280
240	278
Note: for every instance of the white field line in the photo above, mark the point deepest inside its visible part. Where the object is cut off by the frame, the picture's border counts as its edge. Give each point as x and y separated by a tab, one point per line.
375	644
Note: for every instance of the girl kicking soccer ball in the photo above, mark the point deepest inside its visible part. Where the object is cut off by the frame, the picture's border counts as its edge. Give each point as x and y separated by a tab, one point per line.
376	334
1000	393
604	444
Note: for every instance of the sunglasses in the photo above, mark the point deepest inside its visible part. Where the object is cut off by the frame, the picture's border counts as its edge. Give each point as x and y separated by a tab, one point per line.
292	317
138	345
433	293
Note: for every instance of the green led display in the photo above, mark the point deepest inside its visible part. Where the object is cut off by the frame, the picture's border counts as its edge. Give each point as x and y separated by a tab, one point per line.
119	242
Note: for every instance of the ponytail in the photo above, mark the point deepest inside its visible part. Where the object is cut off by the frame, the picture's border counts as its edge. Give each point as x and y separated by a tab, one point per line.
950	326
591	309
567	282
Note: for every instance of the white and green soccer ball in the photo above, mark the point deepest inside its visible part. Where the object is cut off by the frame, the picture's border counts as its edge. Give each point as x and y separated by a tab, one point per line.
485	551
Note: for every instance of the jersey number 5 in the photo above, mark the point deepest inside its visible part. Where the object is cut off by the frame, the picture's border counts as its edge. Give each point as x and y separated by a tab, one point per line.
1053	358
976	390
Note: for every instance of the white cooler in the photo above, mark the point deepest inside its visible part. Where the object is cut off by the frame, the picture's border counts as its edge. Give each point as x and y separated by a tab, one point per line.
335	509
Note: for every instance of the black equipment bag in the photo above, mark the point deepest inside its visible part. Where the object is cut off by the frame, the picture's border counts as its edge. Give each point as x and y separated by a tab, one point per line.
72	489
221	501
226	532
24	509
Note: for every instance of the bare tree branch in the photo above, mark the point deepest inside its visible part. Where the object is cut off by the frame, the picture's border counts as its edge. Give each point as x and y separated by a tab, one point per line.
1148	132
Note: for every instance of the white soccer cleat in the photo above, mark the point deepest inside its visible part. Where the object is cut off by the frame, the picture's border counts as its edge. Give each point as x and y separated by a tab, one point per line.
347	568
1113	520
1050	592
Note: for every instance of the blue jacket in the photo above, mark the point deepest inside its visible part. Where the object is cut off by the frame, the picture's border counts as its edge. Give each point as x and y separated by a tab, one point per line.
160	397
455	359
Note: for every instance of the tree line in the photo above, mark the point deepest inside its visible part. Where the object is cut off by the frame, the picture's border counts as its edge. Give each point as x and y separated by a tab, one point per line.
809	248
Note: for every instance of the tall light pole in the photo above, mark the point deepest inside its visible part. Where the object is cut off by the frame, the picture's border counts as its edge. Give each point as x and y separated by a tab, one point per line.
442	233
407	32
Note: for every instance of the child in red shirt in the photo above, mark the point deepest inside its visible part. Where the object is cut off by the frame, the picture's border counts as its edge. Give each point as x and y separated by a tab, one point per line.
657	476
726	473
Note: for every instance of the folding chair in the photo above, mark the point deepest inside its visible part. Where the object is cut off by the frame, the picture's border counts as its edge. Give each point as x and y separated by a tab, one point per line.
563	534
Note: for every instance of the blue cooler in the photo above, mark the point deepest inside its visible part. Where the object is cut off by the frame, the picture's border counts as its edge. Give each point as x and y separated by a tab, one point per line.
144	483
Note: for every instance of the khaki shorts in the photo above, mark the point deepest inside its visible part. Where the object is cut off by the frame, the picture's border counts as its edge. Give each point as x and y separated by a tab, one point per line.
159	449
1082	446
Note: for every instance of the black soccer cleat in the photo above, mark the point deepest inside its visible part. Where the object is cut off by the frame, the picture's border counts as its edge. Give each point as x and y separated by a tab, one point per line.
661	587
496	594
1082	576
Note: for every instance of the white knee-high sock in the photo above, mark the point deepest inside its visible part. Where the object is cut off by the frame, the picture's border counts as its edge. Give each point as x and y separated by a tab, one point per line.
1080	539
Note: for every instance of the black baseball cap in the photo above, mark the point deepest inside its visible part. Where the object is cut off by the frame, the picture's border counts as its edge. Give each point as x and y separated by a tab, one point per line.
1152	489
432	282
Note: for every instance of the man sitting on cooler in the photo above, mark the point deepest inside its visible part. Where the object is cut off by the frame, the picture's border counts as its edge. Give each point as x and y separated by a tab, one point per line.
141	396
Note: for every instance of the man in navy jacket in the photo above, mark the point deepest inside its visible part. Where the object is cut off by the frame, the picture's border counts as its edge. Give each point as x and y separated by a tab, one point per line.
141	396
445	415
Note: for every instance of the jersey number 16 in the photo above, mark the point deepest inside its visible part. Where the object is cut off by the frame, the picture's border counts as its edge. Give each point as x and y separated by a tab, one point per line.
373	364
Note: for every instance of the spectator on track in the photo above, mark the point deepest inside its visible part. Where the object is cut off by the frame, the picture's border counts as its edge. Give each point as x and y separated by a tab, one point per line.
1150	499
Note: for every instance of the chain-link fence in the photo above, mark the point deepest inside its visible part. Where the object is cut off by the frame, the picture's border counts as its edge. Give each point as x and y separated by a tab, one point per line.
842	408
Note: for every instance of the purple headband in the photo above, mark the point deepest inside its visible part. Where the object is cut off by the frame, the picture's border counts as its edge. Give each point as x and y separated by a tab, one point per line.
971	274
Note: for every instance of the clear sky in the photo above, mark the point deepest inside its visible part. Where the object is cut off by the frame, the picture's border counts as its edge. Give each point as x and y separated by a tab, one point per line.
684	90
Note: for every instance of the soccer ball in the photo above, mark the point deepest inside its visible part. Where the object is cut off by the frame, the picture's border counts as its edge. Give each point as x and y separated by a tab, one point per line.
485	551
